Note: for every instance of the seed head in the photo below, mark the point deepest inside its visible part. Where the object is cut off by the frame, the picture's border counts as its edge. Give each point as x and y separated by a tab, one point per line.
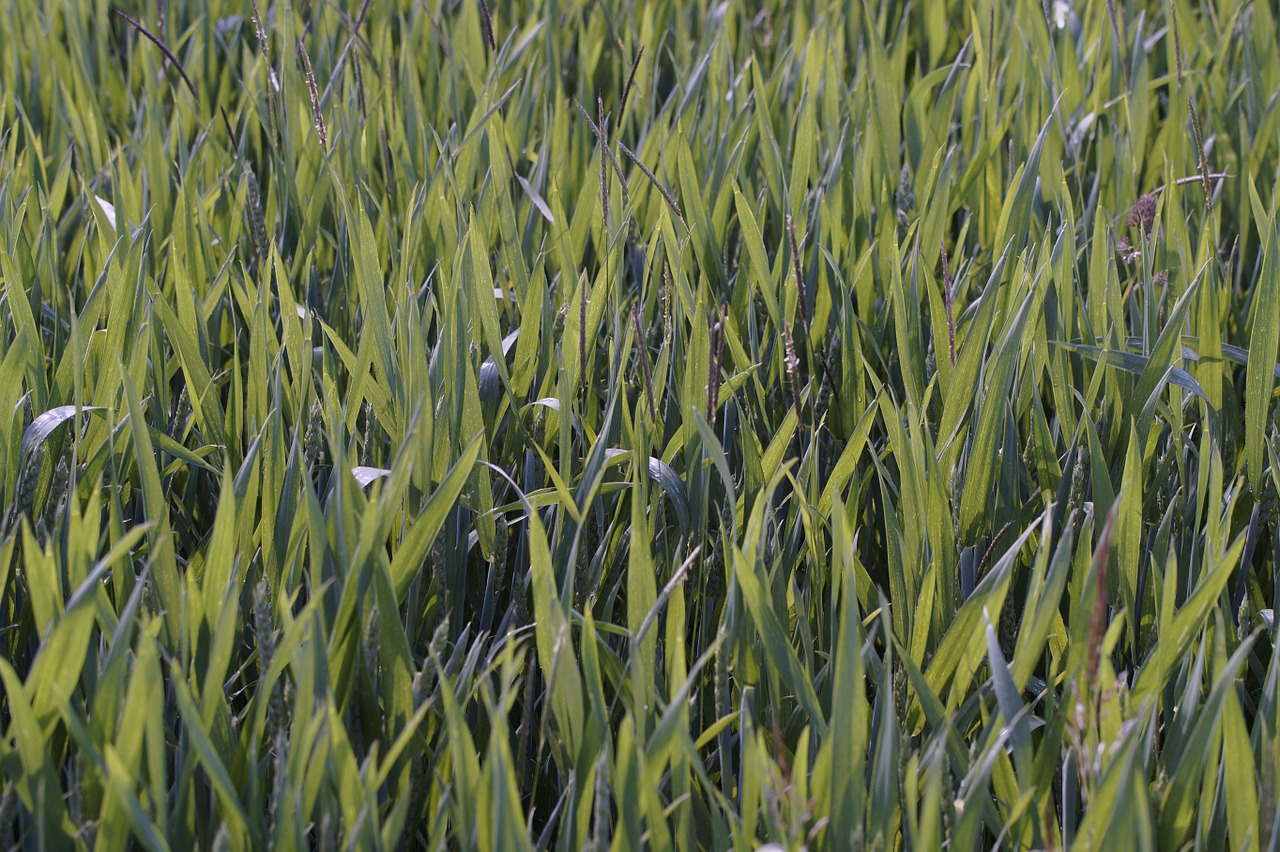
1143	214
793	365
28	479
315	96
253	210
713	368
487	20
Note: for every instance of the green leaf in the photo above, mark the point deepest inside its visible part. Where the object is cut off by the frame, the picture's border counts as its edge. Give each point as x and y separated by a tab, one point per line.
1259	375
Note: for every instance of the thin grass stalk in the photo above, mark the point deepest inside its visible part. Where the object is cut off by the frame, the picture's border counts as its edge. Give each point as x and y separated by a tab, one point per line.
653	179
604	180
1183	181
359	21
626	89
665	595
161	24
990	551
946	300
1115	21
600	132
643	348
158	42
582	332
435	26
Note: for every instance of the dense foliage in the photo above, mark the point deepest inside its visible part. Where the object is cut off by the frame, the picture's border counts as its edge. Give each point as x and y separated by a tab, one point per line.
659	424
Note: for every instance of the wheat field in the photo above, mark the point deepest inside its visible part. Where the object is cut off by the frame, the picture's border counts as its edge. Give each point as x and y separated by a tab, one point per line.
639	424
